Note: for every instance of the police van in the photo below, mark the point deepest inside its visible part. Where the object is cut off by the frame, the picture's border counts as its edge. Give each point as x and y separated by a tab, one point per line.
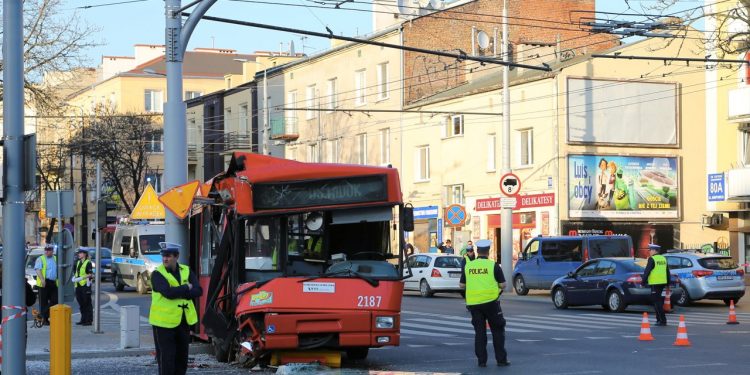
136	254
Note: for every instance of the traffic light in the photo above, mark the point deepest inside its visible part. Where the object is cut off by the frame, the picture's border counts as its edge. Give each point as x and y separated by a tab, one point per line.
102	207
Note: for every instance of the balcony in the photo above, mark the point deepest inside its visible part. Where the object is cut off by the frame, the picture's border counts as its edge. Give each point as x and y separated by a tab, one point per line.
238	142
739	105
192	150
738	184
284	128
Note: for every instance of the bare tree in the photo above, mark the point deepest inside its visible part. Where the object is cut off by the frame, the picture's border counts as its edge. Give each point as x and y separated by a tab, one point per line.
118	141
53	43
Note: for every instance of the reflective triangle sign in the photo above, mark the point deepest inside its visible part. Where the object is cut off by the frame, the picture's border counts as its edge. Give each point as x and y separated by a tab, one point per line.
148	206
179	199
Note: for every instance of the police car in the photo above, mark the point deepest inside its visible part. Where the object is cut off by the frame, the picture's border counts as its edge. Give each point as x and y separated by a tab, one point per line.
706	276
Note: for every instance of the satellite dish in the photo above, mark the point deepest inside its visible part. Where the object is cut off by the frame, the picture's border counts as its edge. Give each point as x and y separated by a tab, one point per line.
423	3
483	40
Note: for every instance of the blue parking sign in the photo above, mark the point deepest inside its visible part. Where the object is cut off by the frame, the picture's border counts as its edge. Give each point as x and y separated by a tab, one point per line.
716	187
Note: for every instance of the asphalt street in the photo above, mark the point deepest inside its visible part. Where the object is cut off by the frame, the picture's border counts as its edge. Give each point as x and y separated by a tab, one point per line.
437	337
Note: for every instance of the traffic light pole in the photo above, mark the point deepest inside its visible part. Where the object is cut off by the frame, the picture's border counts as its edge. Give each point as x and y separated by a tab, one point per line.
14	303
98	260
175	135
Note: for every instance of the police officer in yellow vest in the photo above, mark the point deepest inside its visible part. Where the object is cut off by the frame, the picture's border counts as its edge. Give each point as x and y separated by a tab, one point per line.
46	280
657	276
82	275
483	280
172	310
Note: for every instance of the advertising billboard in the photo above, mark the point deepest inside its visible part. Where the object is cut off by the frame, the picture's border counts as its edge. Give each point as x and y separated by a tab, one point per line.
623	187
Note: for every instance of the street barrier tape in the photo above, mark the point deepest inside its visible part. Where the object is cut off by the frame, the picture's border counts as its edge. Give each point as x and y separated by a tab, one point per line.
7	319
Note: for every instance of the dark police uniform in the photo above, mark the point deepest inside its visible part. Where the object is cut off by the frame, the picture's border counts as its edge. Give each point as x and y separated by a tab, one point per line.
83	268
481	277
657	276
172	313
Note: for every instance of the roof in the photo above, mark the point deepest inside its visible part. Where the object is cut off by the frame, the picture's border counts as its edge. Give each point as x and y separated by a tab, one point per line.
198	64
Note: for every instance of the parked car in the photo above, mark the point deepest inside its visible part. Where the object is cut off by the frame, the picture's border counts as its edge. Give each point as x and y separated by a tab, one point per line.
106	261
433	273
31	256
613	283
546	258
707	276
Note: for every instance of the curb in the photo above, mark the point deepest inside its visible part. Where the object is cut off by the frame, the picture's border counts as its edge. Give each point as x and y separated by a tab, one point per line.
199	348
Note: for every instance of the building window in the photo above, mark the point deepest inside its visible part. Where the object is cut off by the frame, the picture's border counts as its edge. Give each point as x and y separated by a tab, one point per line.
385	146
155	180
454	126
360	86
291	115
192	94
362	148
244	123
422	164
455	194
310	102
313	153
192	132
154	101
228	120
291	154
333	150
525	147
154	143
491	152
383	81
332	94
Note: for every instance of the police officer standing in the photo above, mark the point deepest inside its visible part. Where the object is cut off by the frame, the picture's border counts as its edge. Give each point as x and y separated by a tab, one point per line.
657	276
483	280
82	280
46	279
172	310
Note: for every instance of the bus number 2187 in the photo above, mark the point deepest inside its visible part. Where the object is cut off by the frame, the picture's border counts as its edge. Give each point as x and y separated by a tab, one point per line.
368	301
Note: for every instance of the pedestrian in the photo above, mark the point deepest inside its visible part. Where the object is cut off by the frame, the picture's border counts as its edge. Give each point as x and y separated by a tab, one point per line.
656	275
447	247
469	245
172	310
82	277
46	280
484	280
409	250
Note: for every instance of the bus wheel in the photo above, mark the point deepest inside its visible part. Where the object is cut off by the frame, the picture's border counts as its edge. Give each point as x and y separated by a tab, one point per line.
141	284
220	352
117	281
357	353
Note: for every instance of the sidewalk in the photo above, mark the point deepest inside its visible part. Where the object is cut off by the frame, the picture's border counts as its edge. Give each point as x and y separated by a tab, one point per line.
87	344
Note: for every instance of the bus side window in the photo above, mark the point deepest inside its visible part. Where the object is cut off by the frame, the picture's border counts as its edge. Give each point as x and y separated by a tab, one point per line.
125	245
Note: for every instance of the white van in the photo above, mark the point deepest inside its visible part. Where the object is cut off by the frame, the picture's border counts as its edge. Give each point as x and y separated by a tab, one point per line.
136	254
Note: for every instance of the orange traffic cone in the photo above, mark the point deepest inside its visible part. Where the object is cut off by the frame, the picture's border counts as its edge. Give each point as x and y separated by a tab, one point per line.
732	314
667	300
645	329
682	337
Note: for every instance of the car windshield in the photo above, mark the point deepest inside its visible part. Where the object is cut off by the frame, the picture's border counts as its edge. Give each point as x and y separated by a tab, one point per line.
448	262
149	243
718	263
31	259
634	265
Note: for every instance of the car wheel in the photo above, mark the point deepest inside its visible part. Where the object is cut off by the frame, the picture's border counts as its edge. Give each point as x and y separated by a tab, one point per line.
520	285
684	299
728	301
117	281
141	284
424	289
357	353
615	301
559	298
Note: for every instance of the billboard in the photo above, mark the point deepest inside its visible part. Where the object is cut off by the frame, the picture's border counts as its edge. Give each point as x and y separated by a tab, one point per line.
622	187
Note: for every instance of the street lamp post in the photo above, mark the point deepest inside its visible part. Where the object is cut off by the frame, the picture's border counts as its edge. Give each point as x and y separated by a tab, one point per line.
506	229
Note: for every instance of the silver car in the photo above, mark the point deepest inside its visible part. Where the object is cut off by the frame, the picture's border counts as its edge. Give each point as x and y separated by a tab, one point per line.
706	276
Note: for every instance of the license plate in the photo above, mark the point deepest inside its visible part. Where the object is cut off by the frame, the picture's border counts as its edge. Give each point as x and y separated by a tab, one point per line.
454	274
725	277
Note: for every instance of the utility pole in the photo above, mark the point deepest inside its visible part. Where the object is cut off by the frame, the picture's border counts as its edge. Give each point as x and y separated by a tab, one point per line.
14	330
177	36
506	230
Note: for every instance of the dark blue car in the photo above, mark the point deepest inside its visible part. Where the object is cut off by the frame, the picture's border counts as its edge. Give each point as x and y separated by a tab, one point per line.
106	260
613	283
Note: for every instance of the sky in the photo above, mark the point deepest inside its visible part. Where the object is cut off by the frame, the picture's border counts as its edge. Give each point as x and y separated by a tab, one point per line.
123	23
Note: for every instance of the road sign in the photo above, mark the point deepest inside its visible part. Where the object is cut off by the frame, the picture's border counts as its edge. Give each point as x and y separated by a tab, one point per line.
716	187
508	202
179	199
455	215
510	184
148	206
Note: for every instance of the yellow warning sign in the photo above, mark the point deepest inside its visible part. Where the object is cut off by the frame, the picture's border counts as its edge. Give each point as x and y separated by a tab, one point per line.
148	206
179	199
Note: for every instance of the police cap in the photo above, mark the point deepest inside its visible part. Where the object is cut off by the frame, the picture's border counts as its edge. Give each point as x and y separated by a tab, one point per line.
483	245
169	248
653	246
82	250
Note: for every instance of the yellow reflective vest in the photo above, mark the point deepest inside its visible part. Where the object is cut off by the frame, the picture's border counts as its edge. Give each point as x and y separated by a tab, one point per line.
167	313
82	273
481	286
44	270
658	275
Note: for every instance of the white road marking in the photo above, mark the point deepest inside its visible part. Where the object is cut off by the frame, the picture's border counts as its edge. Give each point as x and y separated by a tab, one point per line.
421	333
